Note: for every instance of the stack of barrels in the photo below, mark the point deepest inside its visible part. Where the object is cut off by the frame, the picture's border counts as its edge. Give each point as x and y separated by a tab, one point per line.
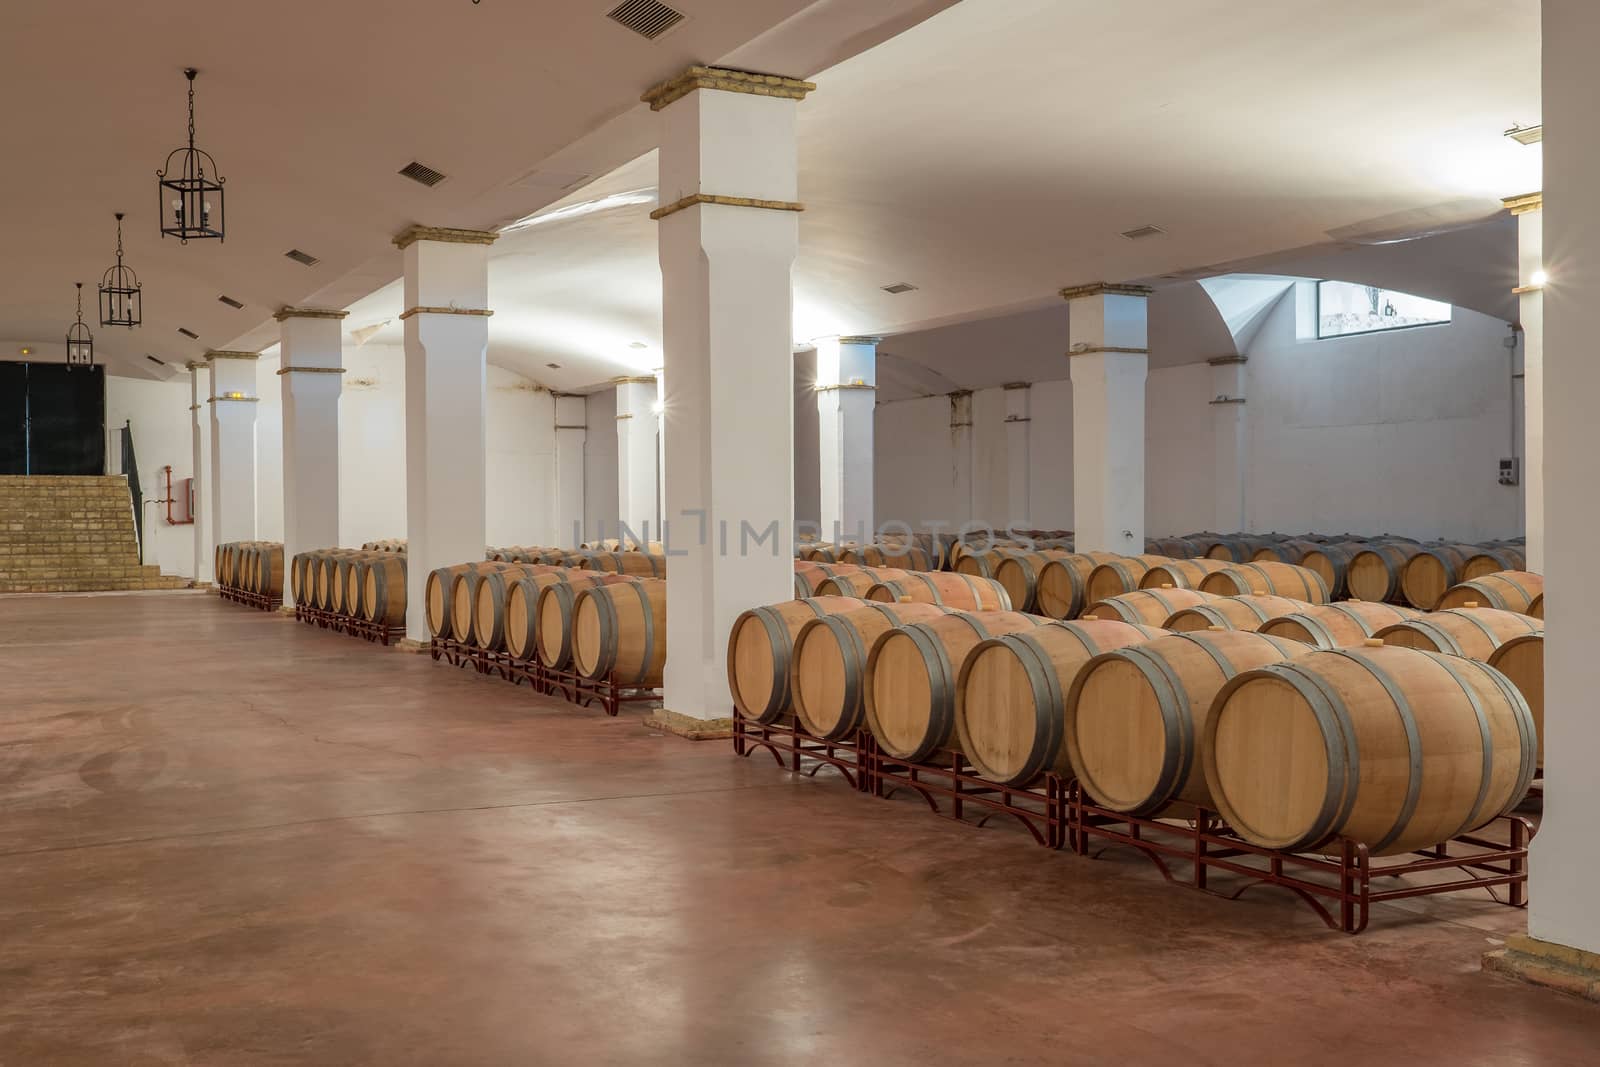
361	584
396	545
1245	686
251	567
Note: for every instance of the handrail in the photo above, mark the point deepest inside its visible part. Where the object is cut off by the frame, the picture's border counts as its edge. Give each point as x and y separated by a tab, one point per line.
130	470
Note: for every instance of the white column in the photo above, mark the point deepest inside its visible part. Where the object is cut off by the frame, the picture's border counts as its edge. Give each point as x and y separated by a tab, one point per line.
1019	486
1230	429
1566	854
847	384
311	351
638	466
446	338
1109	352
1530	290
572	433
233	445
200	434
729	235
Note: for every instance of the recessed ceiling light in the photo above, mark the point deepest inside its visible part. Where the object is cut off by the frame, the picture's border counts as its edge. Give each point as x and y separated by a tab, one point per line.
1143	231
553	366
899	287
25	351
304	258
153	359
230	301
637	344
1526	134
190	334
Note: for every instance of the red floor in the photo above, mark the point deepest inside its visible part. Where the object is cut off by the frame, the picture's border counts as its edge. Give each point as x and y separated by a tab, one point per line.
231	839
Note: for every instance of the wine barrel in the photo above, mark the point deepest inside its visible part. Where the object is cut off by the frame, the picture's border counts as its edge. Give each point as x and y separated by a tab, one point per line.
1181	573
619	632
823	552
643	564
1117	576
491	597
1536	608
857	583
1491	558
328	588
1152	607
1134	716
1245	613
1011	695
910	689
808	576
949	589
1018	572
552	620
383	590
1506	590
1171	547
1332	562
1374	572
1290	551
464	596
269	570
1431	571
438	591
983	564
1275	579
828	667
353	580
761	648
1346	624
1061	591
1393	748
1233	549
904	557
1521	660
1470	632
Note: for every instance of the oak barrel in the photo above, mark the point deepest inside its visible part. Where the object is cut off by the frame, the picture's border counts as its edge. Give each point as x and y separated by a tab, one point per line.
1393	748
1536	607
619	631
1119	575
808	575
1332	562
828	669
1152	607
961	592
857	583
1135	716
491	599
643	564
1374	572
910	689
1506	590
1491	558
1018	571
464	595
1521	660
1431	571
761	647
1346	624
383	593
438	589
905	557
1276	579
1181	573
1245	613
553	608
1062	592
1011	695
1471	632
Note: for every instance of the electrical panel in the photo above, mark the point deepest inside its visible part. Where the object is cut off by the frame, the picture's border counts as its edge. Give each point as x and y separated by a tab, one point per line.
1510	471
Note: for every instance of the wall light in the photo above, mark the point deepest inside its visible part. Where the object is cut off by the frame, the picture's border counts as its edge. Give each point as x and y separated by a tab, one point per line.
1539	278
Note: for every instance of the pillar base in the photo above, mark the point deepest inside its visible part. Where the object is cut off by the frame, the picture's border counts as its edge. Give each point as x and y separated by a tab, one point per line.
688	727
286	610
1545	963
405	644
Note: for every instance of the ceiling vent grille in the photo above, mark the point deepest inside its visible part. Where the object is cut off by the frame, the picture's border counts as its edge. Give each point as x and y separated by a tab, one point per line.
1142	232
153	359
231	302
899	287
190	334
303	258
422	174
648	18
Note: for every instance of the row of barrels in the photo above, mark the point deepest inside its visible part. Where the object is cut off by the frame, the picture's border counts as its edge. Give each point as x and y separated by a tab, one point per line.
396	545
252	566
364	584
1395	747
607	556
598	623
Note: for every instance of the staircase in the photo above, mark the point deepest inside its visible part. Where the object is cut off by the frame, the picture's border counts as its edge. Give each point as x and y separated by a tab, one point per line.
69	534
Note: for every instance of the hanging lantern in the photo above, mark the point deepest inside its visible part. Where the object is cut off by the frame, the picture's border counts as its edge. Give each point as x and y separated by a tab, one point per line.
191	191
121	303
80	342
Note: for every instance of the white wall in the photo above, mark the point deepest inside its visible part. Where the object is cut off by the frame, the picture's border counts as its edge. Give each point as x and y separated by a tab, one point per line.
807	441
159	412
372	444
269	450
521	465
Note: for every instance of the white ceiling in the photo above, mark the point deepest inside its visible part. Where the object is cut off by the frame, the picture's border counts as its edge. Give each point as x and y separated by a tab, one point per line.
989	155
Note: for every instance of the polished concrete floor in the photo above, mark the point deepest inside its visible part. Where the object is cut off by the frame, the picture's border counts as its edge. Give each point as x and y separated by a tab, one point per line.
226	838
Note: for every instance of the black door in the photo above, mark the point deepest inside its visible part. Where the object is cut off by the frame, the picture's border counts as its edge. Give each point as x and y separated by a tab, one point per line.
13	418
52	420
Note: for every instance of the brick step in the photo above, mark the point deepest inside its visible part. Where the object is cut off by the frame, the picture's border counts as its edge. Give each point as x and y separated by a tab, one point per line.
107	585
